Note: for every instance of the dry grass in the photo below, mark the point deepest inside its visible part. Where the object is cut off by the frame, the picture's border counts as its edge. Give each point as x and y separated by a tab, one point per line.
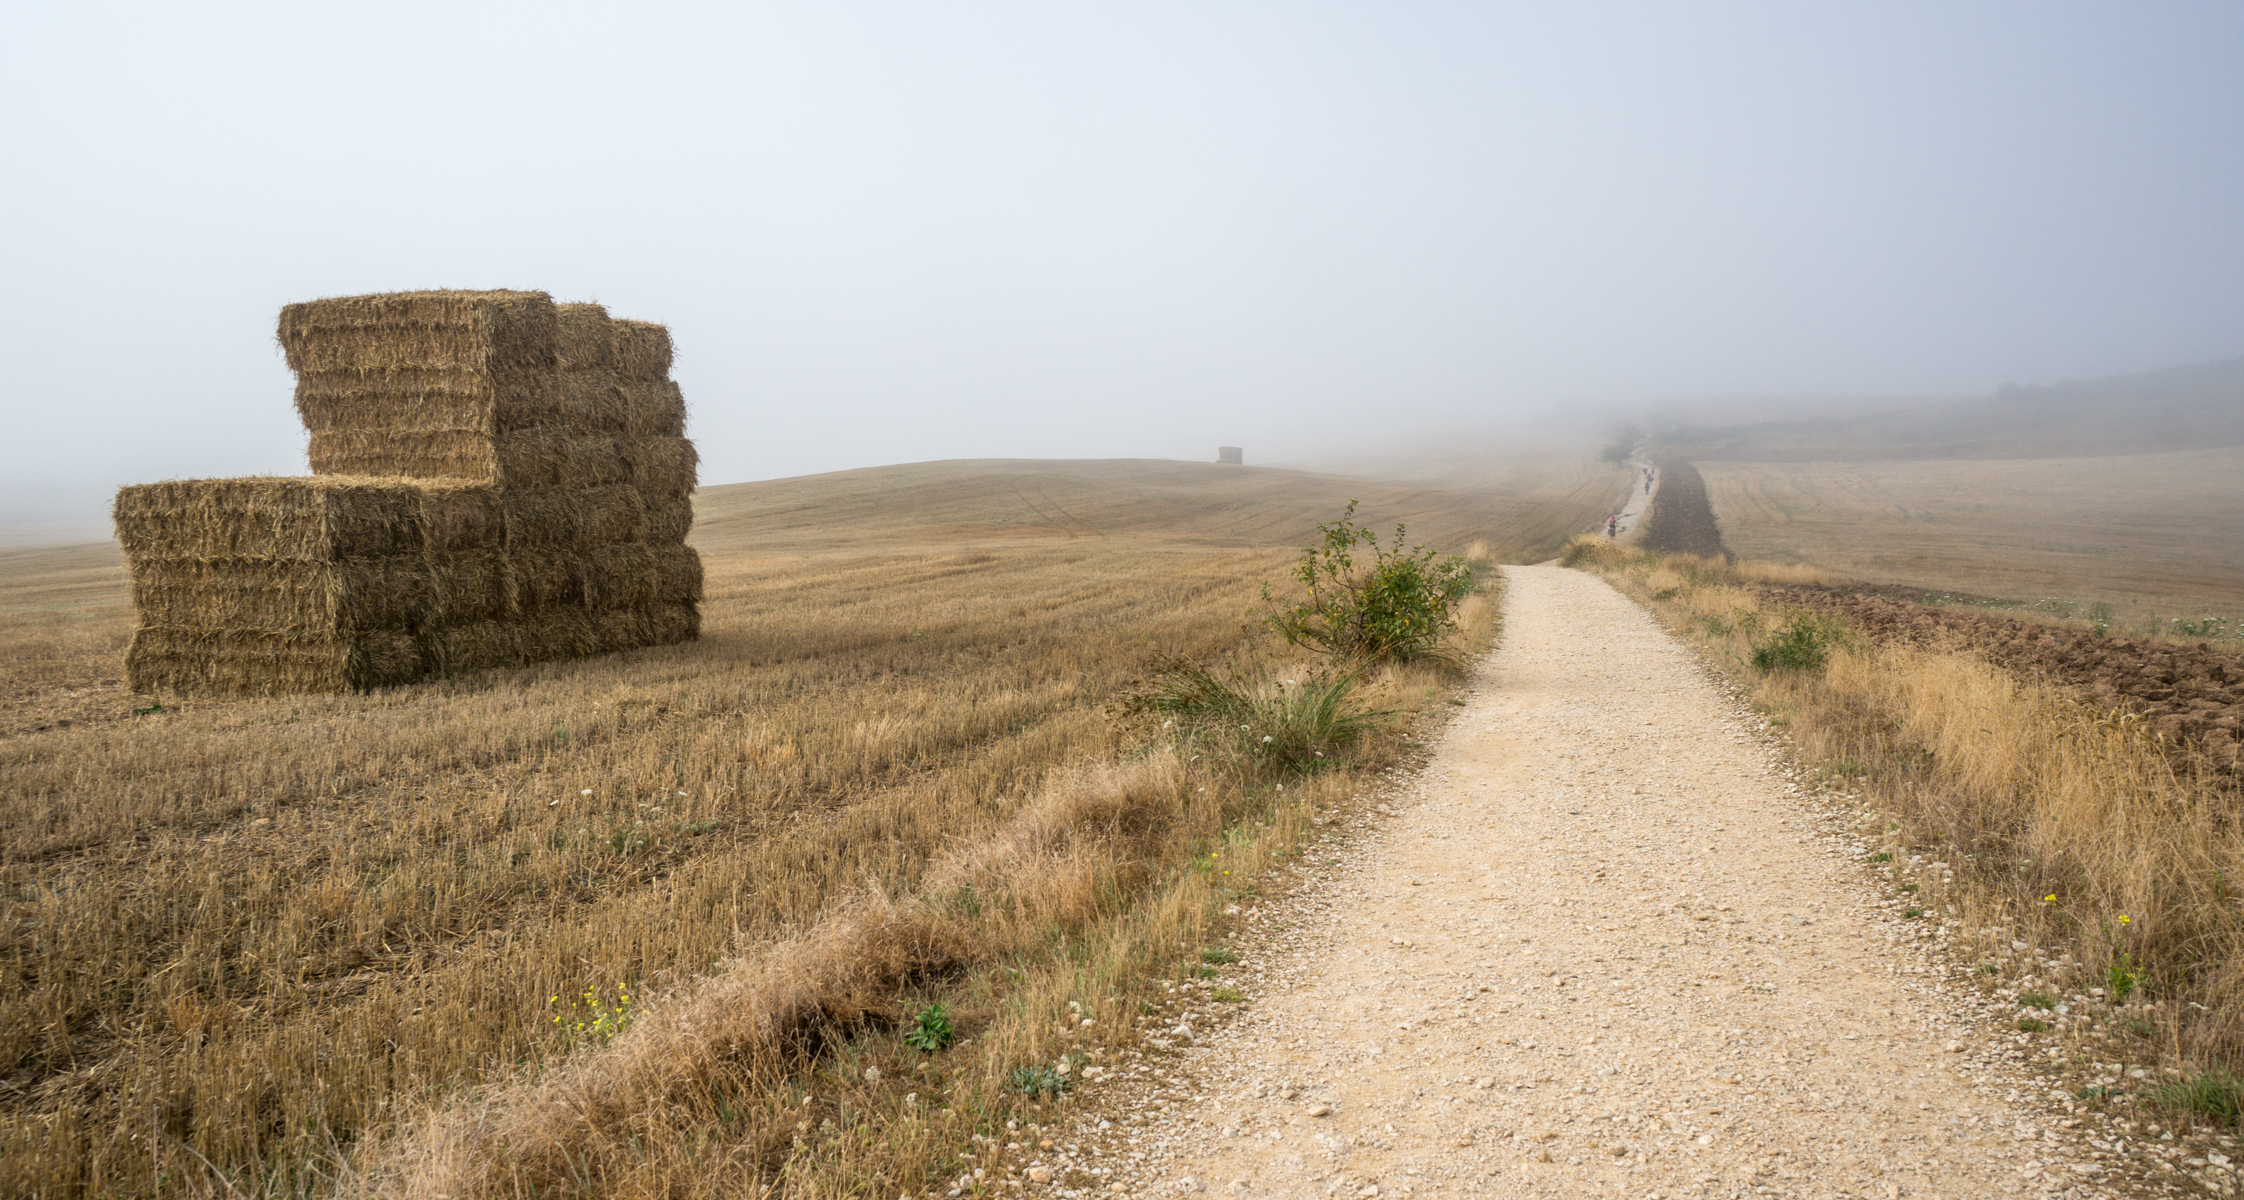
2144	533
2067	827
258	932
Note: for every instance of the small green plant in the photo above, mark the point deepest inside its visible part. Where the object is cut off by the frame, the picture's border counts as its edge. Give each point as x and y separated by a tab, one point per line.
1912	913
2041	1000
1803	644
2122	978
1041	1081
153	707
1882	856
1397	608
1218	955
2097	1092
930	1031
1202	971
2100	617
1908	887
2215	1093
2032	1025
1988	968
591	1018
1226	995
2138	1027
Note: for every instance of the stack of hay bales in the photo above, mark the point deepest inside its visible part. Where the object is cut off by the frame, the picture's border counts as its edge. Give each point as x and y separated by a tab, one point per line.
497	480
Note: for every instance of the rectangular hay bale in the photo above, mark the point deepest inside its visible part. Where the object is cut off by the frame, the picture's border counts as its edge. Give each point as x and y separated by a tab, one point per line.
317	519
228	662
374	335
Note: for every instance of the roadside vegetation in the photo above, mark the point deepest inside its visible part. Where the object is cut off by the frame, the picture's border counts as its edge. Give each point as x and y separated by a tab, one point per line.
2090	864
889	859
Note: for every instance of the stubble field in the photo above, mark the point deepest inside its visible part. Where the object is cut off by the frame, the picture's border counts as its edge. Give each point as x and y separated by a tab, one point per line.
2152	533
239	936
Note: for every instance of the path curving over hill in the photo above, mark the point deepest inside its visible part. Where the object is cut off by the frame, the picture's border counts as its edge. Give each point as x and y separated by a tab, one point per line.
1598	947
1682	520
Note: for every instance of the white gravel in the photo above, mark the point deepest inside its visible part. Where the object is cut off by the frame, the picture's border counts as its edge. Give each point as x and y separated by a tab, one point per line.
1601	946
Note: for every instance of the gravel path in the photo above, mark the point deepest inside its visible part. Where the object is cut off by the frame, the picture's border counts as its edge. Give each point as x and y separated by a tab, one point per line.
1599	946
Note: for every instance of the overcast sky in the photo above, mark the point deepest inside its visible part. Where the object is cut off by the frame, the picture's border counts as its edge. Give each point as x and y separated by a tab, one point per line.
885	233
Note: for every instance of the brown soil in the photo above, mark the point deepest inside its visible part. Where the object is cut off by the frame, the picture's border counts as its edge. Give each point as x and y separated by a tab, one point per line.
2192	693
1682	516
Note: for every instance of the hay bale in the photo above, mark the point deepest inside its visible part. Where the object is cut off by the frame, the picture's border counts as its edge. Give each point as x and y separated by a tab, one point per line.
642	351
378	335
496	402
584	337
320	519
551	459
640	575
284	596
667	520
227	662
650	409
660	467
571	518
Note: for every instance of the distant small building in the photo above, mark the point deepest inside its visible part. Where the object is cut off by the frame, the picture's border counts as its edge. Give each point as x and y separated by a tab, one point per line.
1232	455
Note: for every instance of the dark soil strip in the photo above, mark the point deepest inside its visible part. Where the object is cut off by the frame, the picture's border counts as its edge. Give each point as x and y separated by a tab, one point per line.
2189	693
1682	519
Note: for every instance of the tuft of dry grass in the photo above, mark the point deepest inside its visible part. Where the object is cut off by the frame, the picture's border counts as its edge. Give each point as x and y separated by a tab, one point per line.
2070	830
309	942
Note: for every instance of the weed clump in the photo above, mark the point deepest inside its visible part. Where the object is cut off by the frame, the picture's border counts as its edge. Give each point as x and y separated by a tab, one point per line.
1803	644
1396	609
1264	726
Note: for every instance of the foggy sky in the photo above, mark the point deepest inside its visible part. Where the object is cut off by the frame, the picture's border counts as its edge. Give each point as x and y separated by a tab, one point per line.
885	233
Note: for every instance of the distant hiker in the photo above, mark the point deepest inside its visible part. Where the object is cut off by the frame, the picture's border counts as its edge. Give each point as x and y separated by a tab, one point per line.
1612	526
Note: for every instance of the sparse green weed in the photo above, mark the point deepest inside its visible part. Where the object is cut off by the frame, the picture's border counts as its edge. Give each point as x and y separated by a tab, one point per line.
930	1031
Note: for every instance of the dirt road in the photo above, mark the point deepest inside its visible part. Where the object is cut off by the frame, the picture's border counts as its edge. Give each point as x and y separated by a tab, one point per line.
1599	947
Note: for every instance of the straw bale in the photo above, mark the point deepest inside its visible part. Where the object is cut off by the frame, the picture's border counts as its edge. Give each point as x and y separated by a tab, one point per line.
653	408
475	646
585	337
457	516
635	575
661	466
434	330
557	633
561	459
667	520
469	585
544	579
493	402
589	401
642	350
226	662
318	519
394	592
657	625
406	453
572	518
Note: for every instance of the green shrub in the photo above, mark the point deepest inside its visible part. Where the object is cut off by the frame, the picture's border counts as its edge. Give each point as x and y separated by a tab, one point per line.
1263	725
1803	644
1396	608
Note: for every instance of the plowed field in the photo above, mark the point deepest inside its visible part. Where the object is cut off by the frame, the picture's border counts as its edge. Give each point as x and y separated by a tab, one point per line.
2194	693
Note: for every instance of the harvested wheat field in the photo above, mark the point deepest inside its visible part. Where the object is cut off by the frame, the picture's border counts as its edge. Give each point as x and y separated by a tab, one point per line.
2149	533
328	942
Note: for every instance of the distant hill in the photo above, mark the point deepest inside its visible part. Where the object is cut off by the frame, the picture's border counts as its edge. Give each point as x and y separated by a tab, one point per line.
2180	408
1000	500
